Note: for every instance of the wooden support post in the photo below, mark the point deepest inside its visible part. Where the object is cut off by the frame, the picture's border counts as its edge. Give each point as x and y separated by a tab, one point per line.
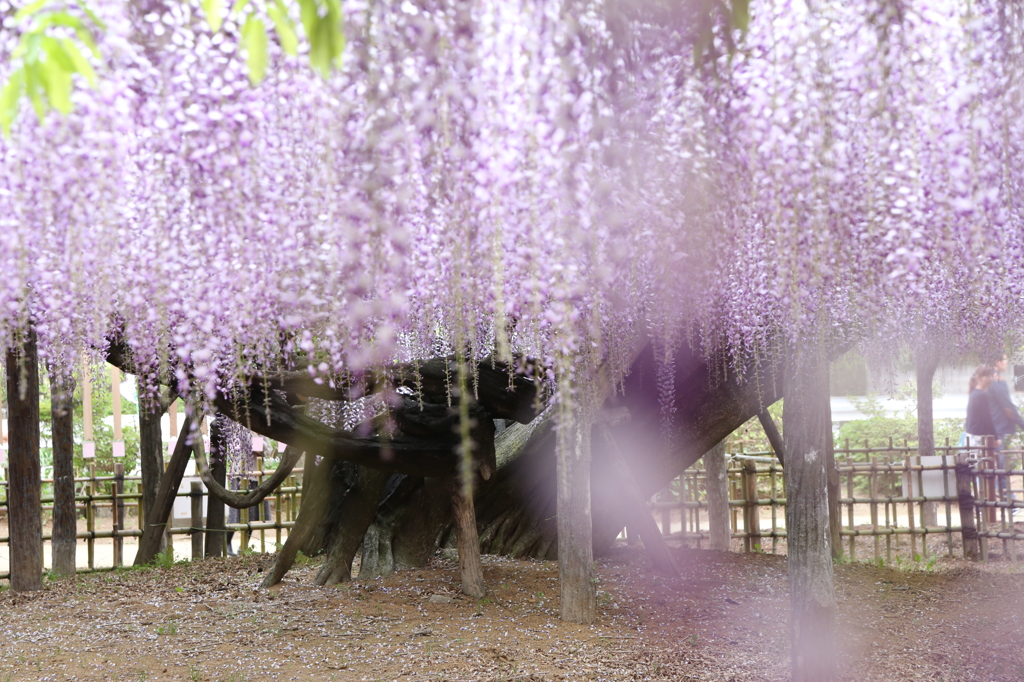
149	544
464	516
989	480
117	512
927	362
717	486
24	506
151	454
772	432
90	516
851	513
196	530
65	517
638	515
965	498
216	533
808	523
575	524
751	510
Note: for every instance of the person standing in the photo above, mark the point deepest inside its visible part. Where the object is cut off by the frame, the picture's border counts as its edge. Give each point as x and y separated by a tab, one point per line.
979	422
1005	416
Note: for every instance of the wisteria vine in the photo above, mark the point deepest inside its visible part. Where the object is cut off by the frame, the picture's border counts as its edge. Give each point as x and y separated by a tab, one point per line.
556	179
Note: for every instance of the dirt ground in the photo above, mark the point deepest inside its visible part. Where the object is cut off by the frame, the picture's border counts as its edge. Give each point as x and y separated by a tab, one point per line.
724	618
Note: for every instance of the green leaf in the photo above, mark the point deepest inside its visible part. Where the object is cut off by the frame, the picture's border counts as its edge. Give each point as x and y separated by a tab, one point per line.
239	5
33	83
310	15
254	40
57	84
30	9
320	49
55	52
10	98
741	14
86	37
81	64
60	19
284	26
214	13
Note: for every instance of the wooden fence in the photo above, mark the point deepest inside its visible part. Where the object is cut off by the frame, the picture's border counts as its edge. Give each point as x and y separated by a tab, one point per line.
893	507
109	511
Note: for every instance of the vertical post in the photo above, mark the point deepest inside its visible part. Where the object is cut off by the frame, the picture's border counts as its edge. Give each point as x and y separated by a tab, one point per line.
717	485
927	363
468	542
151	454
86	401
908	465
965	499
262	510
90	516
117	512
115	397
65	517
989	480
874	505
751	511
215	532
24	505
575	530
245	516
808	522
851	514
196	497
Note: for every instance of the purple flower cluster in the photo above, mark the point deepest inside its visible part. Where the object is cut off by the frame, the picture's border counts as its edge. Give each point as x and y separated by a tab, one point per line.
556	179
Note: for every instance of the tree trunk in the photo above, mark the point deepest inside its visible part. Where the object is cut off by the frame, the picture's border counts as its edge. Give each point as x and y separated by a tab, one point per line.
927	363
575	529
812	593
348	521
717	486
24	508
307	533
516	509
216	533
65	516
468	542
155	529
151	456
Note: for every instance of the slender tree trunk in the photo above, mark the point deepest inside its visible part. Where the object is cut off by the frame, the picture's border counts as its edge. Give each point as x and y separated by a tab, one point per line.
216	534
65	516
24	508
718	498
575	530
927	363
812	592
155	530
467	540
151	456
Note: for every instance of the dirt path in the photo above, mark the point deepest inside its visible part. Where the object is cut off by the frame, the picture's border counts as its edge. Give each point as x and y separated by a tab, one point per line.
725	618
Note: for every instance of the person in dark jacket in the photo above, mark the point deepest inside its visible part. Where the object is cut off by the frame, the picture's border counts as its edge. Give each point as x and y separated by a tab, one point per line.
1005	416
979	407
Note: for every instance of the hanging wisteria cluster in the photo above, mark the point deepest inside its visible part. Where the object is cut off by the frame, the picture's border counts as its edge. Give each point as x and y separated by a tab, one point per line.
560	180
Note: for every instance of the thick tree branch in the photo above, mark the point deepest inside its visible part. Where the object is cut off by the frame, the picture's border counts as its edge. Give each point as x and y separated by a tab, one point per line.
253	497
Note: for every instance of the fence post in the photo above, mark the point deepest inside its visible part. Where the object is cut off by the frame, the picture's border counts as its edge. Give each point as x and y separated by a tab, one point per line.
117	511
965	498
196	531
752	514
717	484
907	468
90	516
